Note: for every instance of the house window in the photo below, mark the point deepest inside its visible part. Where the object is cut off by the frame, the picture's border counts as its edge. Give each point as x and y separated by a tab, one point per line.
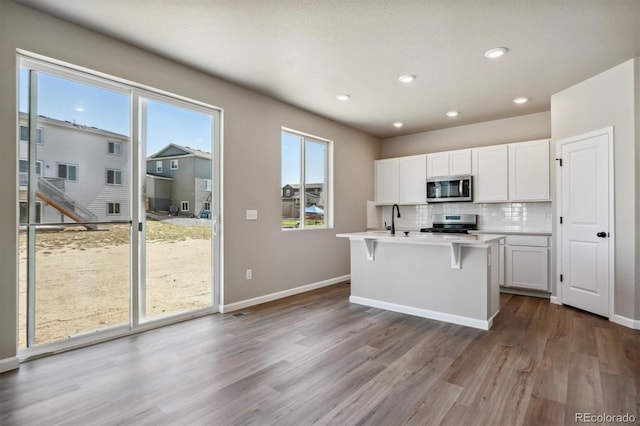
113	208
114	148
114	177
207	205
24	135
305	177
184	206
24	167
207	185
158	166
68	172
174	164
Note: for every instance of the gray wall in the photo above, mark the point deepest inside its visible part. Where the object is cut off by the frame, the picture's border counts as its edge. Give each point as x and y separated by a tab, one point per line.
252	122
611	99
516	129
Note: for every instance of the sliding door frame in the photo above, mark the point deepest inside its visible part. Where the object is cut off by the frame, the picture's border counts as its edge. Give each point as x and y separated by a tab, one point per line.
136	92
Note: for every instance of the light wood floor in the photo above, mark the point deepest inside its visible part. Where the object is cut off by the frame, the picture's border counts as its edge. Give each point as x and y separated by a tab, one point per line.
315	358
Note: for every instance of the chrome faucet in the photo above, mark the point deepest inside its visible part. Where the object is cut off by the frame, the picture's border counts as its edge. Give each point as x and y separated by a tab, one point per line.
393	223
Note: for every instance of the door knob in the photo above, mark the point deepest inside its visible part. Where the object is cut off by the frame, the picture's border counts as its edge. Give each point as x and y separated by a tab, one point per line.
601	235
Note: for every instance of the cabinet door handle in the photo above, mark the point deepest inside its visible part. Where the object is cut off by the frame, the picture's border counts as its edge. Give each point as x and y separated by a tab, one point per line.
601	235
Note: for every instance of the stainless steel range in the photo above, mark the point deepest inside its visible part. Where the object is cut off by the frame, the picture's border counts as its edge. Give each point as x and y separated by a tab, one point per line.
453	223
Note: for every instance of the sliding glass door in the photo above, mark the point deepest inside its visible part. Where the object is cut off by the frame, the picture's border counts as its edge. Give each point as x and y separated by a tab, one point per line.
118	200
176	262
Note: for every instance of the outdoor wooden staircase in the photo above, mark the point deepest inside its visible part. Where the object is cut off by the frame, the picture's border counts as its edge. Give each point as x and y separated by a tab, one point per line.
59	200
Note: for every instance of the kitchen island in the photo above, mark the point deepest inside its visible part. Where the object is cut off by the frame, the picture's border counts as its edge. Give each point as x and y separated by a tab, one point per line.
452	278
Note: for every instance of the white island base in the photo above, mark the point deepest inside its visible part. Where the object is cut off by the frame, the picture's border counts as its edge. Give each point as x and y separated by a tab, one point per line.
440	277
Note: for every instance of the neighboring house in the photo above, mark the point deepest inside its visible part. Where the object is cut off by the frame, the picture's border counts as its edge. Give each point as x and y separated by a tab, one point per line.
314	196
82	172
179	180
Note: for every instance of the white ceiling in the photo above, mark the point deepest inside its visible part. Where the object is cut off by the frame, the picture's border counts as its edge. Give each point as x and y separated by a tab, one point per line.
305	52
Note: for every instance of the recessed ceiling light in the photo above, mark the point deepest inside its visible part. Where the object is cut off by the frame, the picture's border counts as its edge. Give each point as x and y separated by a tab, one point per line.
407	78
343	97
495	52
521	100
398	124
452	113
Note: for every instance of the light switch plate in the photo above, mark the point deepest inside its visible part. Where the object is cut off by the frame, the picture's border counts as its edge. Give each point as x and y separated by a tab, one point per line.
252	214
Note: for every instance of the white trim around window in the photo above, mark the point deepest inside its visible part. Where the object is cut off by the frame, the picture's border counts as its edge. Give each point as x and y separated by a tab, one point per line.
311	204
173	164
114	177
70	173
184	206
113	209
114	148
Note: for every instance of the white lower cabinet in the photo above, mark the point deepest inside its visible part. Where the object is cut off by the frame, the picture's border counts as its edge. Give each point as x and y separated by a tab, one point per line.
526	262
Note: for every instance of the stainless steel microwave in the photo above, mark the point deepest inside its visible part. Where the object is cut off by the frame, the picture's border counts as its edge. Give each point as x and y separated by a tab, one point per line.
450	188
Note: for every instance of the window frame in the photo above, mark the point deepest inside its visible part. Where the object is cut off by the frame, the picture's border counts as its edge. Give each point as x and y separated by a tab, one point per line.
182	204
39	138
116	173
67	165
328	177
158	166
117	208
118	145
207	206
171	164
207	185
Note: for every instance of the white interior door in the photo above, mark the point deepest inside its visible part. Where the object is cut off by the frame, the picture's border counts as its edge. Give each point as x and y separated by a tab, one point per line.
585	207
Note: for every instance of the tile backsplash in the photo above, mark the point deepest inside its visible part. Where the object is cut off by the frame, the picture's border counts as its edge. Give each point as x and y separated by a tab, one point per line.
498	216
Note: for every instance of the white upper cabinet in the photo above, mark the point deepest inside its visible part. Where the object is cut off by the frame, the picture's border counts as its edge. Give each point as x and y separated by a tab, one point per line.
438	164
460	162
449	163
413	179
387	181
490	174
529	171
401	180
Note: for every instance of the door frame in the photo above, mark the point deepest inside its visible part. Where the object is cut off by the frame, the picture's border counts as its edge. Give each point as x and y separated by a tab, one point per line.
136	91
606	131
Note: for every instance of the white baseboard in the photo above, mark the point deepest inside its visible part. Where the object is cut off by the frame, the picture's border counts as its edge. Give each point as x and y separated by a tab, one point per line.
424	313
627	322
281	294
554	300
9	364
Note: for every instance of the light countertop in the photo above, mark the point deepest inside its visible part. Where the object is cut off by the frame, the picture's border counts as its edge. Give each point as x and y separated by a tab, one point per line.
513	231
424	238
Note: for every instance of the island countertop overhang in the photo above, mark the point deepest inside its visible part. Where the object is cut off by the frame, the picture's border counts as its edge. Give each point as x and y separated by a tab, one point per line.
477	240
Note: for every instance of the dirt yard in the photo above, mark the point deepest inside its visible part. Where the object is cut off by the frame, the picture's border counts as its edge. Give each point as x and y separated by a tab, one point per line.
82	277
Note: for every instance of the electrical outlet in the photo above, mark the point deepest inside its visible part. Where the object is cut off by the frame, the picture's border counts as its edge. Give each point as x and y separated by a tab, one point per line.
251	214
249	274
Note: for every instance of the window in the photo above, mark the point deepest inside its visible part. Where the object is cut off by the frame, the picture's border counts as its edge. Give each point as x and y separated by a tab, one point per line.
184	206
158	166
24	167
305	180
24	135
207	185
207	205
174	164
115	148
113	208
114	177
68	172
